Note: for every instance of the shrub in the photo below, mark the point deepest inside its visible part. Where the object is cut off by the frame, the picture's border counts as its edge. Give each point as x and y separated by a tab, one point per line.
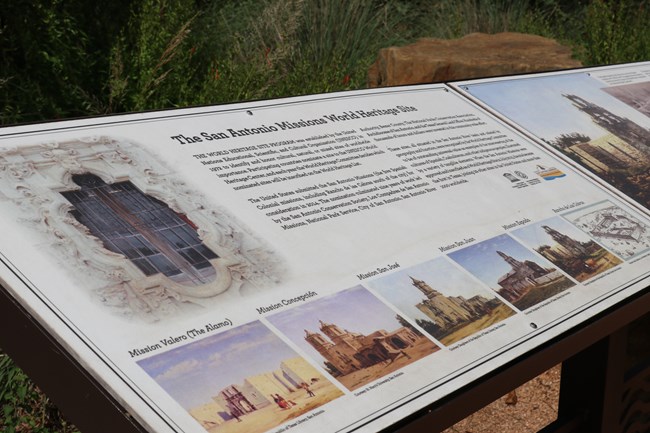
24	408
615	32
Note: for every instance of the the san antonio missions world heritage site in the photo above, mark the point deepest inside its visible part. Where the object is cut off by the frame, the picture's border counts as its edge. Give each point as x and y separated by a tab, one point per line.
357	261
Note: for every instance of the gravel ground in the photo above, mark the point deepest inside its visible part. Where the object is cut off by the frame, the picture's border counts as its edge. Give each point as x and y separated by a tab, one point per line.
529	408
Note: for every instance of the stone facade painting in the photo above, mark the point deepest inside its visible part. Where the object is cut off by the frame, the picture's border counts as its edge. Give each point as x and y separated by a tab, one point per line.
617	229
348	351
129	229
242	380
442	299
354	336
513	271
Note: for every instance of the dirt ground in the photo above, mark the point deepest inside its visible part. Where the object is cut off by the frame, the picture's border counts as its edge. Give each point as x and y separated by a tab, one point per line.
533	407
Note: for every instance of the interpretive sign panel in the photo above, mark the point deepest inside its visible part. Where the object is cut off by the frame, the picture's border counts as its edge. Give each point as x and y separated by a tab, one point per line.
321	263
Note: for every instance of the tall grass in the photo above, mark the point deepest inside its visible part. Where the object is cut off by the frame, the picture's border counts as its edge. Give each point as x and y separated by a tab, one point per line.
172	53
453	19
245	50
150	65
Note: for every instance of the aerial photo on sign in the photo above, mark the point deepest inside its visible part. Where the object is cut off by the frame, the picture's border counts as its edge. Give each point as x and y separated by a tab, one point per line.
622	232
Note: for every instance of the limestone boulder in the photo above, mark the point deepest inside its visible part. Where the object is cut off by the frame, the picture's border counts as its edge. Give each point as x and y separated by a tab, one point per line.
473	56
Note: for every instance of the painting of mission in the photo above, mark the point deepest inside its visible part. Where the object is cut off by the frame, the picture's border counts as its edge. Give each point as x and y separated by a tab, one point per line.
568	248
597	126
513	271
354	336
227	386
442	300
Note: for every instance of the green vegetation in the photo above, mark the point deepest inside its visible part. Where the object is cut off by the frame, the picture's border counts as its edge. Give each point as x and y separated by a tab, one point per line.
61	59
23	408
71	58
616	32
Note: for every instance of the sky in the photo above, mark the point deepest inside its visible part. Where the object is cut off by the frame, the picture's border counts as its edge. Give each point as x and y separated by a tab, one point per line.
355	309
537	103
483	261
535	236
441	274
195	372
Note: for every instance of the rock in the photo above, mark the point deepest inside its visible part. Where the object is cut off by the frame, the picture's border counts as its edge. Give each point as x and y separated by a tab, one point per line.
473	56
511	398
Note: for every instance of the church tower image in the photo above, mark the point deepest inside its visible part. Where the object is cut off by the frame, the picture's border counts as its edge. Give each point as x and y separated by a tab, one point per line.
581	260
338	335
521	277
338	348
449	311
423	287
632	133
514	263
571	245
339	363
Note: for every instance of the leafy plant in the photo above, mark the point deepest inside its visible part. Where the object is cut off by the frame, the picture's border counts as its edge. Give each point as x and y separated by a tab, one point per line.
615	32
23	407
53	57
151	65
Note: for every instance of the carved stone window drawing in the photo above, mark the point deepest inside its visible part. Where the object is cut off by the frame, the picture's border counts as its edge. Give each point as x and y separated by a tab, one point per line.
145	230
127	228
